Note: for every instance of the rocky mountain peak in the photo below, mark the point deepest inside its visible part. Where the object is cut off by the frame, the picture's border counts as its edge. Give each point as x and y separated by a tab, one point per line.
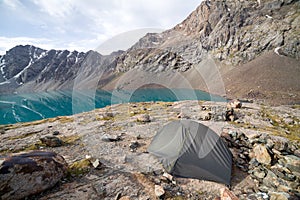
234	32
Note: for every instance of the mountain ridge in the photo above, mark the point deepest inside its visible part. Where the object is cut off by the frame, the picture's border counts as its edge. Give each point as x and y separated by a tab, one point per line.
208	47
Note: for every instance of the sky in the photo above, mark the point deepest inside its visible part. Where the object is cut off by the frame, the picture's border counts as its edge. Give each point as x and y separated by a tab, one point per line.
84	25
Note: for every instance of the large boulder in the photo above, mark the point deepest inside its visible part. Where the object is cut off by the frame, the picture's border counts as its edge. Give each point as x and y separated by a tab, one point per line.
29	173
261	154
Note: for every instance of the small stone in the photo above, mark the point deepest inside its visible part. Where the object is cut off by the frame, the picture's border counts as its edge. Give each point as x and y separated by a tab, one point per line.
51	141
261	154
288	121
159	191
297	153
110	138
205	116
259	174
133	145
55	133
96	163
230	115
168	176
125	198
182	116
2	131
144	118
226	194
234	104
279	196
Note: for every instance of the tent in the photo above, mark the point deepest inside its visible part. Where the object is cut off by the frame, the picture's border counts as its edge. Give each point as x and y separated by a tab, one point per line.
192	150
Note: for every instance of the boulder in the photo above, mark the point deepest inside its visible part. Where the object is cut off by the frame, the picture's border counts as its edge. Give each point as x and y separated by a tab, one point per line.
279	196
51	141
291	162
134	145
144	118
110	138
234	104
159	191
230	115
280	143
271	180
205	115
261	154
30	173
226	194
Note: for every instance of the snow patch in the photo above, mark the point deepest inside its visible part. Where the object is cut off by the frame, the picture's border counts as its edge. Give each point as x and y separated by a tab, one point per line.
5	82
70	54
25	68
2	65
40	56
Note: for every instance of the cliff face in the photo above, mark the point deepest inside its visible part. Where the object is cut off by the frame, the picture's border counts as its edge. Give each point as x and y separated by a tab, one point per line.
234	32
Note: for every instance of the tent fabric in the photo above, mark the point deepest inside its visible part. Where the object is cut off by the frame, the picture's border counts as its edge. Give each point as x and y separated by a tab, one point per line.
192	150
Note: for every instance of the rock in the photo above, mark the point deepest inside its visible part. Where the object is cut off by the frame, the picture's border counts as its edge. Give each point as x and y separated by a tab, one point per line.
226	194
106	116
168	176
288	121
96	163
271	180
280	143
204	115
234	104
55	133
51	141
133	145
261	154
258	196
144	118
110	138
297	153
159	191
259	174
125	198
182	116
291	162
279	196
229	115
30	173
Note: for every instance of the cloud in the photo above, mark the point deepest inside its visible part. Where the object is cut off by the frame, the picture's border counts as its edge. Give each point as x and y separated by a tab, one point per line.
66	23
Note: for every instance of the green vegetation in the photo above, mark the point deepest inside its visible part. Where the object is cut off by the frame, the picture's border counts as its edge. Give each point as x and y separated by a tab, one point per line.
79	168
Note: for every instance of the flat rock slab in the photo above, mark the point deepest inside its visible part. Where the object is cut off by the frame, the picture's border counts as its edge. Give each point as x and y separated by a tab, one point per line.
29	173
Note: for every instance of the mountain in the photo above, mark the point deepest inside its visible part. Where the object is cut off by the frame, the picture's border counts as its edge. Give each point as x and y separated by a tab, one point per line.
28	69
245	49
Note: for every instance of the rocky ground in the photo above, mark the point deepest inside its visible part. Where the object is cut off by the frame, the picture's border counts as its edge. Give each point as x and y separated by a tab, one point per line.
106	151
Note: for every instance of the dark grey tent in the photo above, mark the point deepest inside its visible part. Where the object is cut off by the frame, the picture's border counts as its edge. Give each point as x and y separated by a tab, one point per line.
192	150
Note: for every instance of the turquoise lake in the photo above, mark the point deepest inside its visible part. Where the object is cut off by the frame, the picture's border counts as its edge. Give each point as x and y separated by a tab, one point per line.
35	106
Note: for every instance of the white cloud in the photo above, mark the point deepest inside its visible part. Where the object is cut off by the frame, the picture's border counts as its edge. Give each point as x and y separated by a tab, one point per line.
13	4
86	24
